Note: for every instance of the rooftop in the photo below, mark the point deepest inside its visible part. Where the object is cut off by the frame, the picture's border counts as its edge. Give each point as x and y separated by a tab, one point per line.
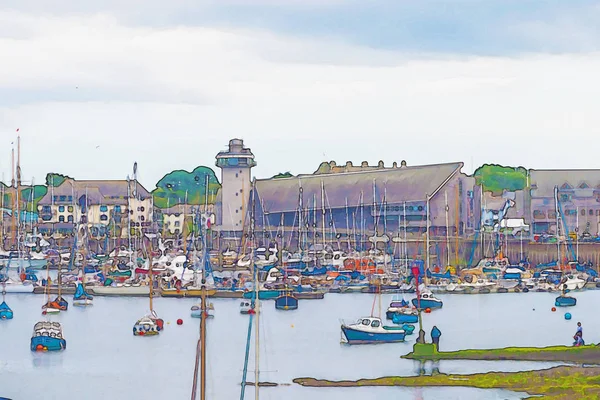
405	184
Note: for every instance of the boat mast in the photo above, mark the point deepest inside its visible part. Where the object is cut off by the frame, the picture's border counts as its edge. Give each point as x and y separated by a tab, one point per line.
427	240
347	225
557	226
577	236
151	283
405	251
256	297
323	212
447	229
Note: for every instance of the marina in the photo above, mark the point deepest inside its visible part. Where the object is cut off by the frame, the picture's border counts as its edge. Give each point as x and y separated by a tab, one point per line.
494	320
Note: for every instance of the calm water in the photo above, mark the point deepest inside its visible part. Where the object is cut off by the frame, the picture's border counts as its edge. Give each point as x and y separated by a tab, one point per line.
104	360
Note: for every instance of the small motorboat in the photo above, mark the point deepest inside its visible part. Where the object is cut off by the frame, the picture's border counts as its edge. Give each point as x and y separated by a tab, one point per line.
370	330
5	311
197	313
48	336
427	300
565	301
246	307
411	317
149	325
286	301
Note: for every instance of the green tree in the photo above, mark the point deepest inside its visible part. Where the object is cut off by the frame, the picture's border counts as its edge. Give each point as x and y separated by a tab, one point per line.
39	191
171	189
497	178
287	174
53	179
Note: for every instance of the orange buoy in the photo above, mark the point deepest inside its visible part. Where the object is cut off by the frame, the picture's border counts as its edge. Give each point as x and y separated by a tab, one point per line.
553	309
427	310
39	347
179	321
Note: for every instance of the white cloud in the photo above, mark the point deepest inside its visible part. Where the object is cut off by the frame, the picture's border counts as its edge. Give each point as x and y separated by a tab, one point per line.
171	98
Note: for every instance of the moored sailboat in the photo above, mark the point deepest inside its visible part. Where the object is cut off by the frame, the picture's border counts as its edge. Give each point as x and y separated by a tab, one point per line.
149	325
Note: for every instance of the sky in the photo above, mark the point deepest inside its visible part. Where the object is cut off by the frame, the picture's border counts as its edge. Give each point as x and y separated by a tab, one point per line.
93	87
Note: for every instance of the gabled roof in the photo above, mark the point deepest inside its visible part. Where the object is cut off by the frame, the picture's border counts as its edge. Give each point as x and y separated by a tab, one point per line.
408	184
98	191
546	180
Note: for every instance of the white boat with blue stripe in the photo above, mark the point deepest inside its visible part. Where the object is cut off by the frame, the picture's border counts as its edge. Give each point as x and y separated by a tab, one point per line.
370	330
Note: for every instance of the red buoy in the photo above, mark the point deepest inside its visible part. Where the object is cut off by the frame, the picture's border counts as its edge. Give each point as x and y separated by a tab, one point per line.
427	310
553	309
179	321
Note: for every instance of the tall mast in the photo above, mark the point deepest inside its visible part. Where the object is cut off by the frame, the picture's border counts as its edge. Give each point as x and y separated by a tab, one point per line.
300	217
557	226
347	225
256	297
447	229
405	238
323	212
427	237
577	236
150	274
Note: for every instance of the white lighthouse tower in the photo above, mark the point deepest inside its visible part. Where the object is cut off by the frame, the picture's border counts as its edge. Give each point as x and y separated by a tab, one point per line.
235	165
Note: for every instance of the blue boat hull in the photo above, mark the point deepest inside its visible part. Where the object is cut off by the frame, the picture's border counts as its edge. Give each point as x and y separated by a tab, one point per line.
5	311
50	343
565	301
427	304
354	336
286	303
404	318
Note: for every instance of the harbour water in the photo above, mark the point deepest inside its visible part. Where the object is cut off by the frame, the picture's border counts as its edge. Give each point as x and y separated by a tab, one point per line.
104	360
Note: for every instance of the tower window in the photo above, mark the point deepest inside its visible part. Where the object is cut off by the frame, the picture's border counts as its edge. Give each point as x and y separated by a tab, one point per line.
236	174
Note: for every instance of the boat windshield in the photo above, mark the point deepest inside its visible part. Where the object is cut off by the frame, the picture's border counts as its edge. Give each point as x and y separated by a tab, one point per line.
375	324
366	322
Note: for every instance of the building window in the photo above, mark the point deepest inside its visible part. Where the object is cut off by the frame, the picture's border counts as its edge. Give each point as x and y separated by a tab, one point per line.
70	198
236	193
46	209
70	218
142	209
61	208
103	208
117	209
236	174
591	212
84	219
538	214
142	218
63	198
55	198
61	218
583	212
551	214
176	223
70	209
103	217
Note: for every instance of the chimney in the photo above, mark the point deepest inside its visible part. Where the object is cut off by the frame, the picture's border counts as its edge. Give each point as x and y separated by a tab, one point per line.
394	164
381	165
403	164
332	163
364	164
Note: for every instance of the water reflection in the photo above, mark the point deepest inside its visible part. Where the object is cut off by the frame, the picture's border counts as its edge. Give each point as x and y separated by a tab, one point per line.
46	360
425	367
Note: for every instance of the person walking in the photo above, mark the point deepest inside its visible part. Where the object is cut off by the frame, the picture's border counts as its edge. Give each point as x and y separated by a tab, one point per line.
435	337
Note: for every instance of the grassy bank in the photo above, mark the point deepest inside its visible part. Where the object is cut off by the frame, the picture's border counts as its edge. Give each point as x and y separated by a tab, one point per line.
589	354
555	383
